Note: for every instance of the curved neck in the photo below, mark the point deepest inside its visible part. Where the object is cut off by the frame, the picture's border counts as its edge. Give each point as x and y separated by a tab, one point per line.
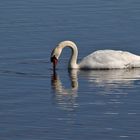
74	55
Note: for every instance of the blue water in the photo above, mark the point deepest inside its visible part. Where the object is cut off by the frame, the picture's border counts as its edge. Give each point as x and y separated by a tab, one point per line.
36	104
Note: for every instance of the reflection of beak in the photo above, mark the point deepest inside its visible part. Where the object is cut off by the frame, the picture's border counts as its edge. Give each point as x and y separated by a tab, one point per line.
54	60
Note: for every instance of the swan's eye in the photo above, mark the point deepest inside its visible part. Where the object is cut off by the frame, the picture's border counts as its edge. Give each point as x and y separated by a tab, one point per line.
54	59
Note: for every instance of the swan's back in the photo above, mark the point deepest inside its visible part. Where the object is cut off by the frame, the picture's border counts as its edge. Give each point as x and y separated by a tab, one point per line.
110	59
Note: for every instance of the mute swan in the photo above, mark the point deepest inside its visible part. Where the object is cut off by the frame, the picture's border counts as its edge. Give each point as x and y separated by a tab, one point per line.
101	59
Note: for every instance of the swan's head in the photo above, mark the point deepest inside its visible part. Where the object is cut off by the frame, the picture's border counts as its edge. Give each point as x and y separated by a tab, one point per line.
55	55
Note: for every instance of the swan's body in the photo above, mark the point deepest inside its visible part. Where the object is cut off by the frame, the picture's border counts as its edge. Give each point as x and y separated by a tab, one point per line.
102	59
110	59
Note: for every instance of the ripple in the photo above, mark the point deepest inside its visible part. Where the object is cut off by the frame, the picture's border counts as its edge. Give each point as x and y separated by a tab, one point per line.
21	74
111	113
33	61
124	136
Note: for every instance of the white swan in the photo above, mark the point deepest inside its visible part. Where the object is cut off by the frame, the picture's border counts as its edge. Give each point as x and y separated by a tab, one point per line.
101	59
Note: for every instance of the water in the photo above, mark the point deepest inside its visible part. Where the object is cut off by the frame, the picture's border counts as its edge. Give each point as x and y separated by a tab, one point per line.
78	105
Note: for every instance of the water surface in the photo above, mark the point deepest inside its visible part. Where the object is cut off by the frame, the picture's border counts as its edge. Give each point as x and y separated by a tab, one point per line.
36	103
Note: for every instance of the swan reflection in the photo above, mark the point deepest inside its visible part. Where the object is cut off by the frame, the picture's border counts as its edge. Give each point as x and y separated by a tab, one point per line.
65	98
120	77
106	79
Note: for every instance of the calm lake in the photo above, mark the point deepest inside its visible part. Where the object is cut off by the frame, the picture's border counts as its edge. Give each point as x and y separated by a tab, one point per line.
37	104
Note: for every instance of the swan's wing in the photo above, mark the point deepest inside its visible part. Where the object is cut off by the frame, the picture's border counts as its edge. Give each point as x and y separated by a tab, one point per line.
108	59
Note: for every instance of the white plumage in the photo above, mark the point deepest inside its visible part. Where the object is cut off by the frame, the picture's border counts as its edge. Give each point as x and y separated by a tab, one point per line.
102	59
110	59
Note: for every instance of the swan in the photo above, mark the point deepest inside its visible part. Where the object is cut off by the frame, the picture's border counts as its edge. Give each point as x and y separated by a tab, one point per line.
101	59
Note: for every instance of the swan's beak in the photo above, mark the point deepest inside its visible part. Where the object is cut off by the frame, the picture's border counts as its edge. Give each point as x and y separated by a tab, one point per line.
54	60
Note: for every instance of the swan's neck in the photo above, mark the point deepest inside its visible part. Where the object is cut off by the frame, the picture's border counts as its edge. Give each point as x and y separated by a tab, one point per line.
73	59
